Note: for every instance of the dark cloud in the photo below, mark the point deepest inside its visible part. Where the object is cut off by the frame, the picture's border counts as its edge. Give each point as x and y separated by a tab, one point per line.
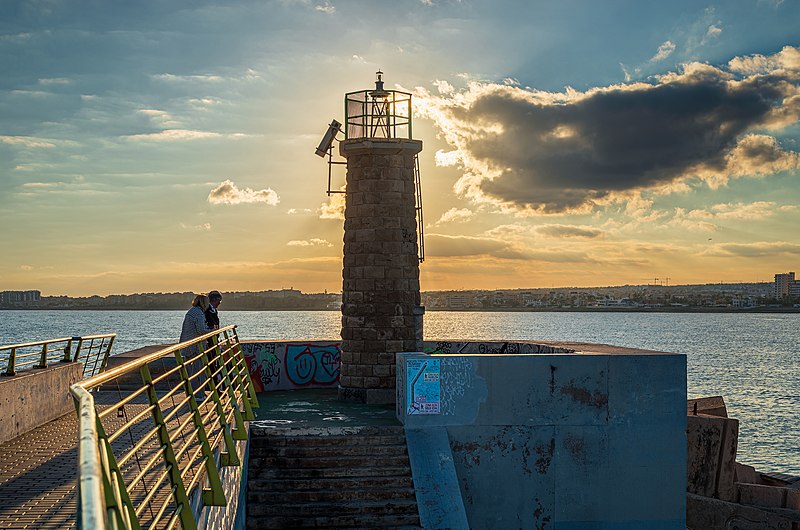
560	152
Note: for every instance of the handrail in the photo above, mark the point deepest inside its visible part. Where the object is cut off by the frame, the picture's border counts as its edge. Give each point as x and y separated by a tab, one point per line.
91	350
188	409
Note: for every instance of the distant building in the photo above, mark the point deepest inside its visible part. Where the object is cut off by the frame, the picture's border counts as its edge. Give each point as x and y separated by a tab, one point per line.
16	297
784	285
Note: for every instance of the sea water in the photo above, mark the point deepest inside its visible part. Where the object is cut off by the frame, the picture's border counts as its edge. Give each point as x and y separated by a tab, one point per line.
753	360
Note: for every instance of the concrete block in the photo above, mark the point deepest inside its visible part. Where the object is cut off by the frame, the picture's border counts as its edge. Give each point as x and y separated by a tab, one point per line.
793	499
35	396
745	474
712	443
758	495
710	406
703	513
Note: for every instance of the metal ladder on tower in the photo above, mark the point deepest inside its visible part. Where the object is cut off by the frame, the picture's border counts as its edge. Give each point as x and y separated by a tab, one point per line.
420	224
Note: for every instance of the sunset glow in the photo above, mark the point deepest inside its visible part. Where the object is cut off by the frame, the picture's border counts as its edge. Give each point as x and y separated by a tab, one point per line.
170	147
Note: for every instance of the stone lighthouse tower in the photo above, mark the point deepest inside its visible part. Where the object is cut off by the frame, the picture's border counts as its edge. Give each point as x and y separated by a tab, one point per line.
381	312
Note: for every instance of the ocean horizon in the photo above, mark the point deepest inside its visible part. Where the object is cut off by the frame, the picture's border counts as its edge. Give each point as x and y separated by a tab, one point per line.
751	359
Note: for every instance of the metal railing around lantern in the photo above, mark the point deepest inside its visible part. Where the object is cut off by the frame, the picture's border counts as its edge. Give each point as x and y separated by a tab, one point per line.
377	114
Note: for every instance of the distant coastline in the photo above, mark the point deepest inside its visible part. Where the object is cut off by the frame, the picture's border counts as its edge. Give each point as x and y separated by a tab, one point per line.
651	298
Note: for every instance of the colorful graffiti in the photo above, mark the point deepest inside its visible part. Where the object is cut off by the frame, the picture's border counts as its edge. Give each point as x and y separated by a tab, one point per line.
310	363
287	365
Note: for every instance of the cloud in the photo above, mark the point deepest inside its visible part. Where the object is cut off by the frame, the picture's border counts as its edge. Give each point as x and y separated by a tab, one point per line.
664	51
334	208
552	152
294	211
458	215
786	60
309	243
29	142
173	135
761	249
560	231
205	227
326	7
439	245
713	31
228	193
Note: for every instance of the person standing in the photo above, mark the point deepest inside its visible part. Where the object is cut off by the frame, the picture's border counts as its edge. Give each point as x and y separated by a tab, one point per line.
212	317
194	323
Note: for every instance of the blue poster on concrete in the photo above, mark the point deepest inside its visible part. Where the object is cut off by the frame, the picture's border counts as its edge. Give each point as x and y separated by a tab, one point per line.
424	391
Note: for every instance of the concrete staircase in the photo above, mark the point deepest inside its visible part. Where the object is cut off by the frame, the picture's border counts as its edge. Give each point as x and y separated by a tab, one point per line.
343	477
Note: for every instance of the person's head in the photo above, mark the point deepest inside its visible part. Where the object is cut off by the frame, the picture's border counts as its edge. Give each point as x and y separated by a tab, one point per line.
214	298
200	301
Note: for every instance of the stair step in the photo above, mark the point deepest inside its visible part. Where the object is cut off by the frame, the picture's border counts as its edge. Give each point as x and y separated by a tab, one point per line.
332	483
261	431
331	462
399	522
350	440
329	452
324	509
342	472
328	496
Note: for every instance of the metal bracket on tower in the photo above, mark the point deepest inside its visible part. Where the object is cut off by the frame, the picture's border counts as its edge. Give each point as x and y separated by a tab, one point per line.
326	147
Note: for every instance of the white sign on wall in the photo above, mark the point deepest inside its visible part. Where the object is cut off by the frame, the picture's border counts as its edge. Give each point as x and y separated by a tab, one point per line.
423	390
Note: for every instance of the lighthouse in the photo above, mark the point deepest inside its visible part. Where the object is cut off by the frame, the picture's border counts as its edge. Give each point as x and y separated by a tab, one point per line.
383	244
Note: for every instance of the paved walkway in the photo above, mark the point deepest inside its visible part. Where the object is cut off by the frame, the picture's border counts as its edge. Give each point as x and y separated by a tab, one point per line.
37	477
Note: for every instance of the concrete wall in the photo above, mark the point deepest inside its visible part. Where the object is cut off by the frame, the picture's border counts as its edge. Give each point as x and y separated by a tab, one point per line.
565	441
36	396
285	365
293	364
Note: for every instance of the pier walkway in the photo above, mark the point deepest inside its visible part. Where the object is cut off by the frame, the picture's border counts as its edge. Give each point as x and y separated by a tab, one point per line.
38	469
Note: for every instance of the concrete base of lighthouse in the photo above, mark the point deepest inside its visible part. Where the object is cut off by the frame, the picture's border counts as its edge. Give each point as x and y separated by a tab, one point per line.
381	313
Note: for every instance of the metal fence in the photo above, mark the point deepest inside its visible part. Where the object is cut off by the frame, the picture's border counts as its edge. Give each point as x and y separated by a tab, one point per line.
377	114
91	350
155	433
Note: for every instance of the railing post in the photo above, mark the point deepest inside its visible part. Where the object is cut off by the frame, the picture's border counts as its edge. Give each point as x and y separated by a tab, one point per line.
179	495
239	432
67	352
78	349
43	360
12	362
116	495
251	389
215	495
107	354
241	381
229	457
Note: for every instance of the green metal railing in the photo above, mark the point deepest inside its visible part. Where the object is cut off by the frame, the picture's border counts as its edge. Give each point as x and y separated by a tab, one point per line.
92	351
156	432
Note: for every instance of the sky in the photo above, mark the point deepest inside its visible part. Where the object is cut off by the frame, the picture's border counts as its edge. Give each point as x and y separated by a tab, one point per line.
169	146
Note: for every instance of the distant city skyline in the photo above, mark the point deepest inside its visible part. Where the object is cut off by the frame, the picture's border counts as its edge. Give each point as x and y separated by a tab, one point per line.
168	147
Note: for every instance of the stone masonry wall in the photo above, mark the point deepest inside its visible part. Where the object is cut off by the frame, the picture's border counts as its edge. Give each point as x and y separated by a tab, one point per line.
381	267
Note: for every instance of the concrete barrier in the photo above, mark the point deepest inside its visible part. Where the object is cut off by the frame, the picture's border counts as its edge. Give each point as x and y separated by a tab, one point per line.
565	440
34	397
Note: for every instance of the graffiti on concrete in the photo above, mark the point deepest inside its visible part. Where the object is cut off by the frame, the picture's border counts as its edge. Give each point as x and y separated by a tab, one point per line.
287	365
312	363
469	347
457	374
